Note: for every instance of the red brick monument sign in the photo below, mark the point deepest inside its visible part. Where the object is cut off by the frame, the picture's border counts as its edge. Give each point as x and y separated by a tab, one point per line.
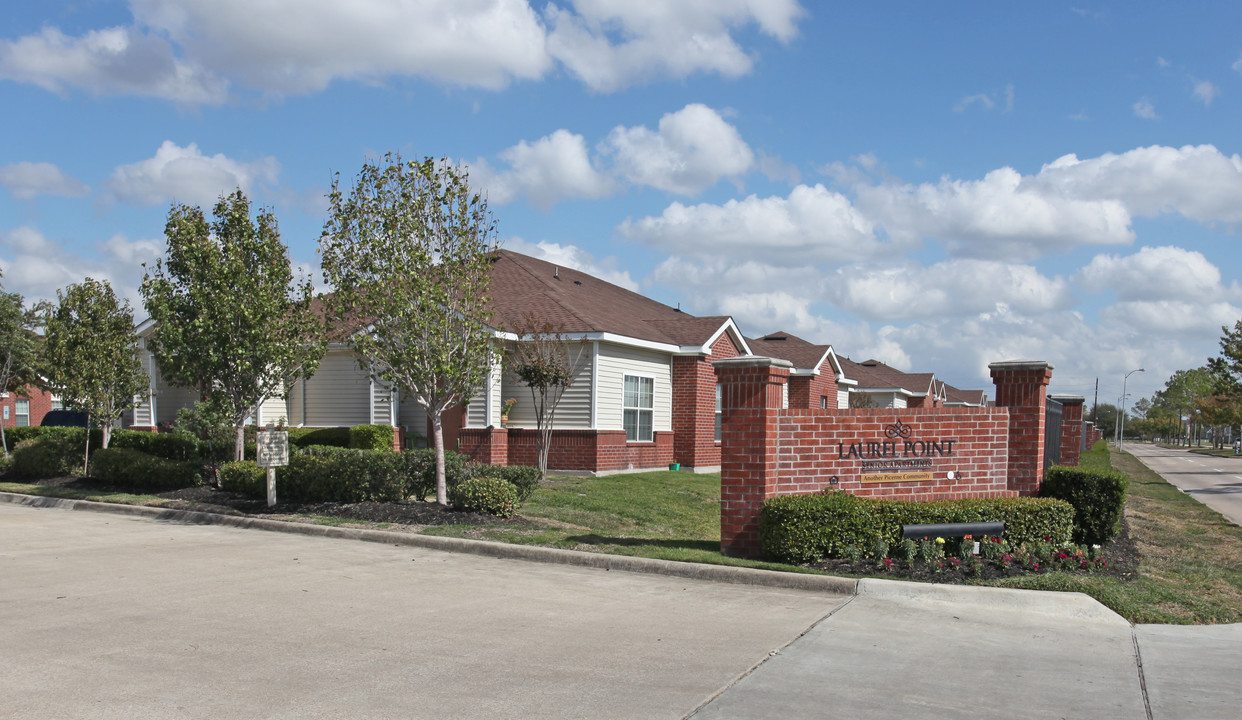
909	453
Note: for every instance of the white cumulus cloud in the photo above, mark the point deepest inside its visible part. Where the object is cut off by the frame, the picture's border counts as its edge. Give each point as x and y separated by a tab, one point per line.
553	168
1155	273
1205	91
952	288
1144	109
37	266
811	224
692	149
193	51
185	175
612	44
28	180
111	61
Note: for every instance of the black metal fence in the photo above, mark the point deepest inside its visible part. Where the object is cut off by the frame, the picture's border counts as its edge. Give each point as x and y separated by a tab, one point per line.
1052	433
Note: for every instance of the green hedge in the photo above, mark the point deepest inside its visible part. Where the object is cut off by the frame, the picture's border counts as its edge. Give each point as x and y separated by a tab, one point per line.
52	455
371	437
302	437
133	468
420	471
340	476
1098	497
491	495
245	477
805	528
169	446
523	477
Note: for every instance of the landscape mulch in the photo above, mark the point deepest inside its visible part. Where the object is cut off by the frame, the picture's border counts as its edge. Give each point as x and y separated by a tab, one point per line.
413	513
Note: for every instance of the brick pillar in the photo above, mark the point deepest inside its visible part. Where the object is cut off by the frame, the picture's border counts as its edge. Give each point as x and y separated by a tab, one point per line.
694	409
751	403
1021	386
485	445
1071	427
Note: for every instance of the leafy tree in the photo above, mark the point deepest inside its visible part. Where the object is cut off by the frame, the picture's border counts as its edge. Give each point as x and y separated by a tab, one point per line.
547	362
408	252
89	354
18	347
230	320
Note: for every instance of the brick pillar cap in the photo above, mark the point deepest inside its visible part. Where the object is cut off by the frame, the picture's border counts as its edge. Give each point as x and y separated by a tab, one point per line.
749	361
1021	365
1068	399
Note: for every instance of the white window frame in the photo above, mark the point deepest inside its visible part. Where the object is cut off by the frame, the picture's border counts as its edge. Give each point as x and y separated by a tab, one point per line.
18	414
638	409
719	413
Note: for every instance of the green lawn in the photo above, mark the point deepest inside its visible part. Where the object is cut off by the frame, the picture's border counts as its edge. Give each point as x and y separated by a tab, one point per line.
665	515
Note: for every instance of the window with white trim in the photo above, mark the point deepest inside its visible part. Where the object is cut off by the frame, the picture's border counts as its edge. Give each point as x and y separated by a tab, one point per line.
58	404
23	413
638	407
718	415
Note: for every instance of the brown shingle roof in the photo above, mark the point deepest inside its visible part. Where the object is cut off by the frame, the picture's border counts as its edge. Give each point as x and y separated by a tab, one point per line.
783	345
576	302
972	397
873	374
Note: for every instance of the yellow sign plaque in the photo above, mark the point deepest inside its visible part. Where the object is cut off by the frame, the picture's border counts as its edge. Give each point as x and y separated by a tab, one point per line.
896	477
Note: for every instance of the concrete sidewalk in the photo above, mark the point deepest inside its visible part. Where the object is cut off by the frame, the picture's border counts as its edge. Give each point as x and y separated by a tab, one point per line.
165	619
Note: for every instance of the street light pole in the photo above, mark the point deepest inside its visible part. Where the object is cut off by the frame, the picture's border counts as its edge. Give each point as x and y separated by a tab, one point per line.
1121	441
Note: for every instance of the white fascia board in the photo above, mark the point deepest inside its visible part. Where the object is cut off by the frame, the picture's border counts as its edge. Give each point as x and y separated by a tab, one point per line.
834	363
607	337
706	348
894	390
847	382
144	327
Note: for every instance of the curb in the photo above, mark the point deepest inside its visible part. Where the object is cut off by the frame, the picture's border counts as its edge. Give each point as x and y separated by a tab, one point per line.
693	571
1070	605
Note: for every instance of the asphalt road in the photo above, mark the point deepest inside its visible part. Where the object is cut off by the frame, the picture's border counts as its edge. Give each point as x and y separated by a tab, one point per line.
1213	481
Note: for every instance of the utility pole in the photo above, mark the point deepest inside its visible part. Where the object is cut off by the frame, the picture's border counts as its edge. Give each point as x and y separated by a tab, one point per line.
1095	406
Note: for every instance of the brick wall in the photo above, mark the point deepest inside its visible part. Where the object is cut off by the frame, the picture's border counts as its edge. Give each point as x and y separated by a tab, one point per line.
40	405
805	391
816	448
694	406
1071	427
768	451
585	450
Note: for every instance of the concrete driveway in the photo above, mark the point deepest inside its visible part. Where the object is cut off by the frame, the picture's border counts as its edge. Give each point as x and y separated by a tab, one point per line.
110	616
106	616
1213	481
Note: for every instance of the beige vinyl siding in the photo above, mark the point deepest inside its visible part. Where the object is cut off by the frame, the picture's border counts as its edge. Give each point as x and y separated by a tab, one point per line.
574	409
338	394
169	399
273	411
484	406
381	405
843	399
617	361
412	417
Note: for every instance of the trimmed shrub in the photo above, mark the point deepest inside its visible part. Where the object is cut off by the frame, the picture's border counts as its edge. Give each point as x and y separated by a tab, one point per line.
6	464
302	437
319	450
805	528
371	437
490	495
523	477
169	446
1098	497
244	477
134	468
420	471
341	475
52	455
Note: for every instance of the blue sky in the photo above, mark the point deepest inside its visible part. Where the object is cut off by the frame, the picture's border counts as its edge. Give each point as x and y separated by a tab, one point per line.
937	186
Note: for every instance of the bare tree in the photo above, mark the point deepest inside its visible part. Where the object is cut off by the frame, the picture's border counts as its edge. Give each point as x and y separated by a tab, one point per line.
547	362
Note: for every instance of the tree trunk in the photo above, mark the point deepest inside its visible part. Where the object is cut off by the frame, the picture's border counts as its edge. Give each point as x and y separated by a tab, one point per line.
106	431
86	458
4	440
239	445
437	442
